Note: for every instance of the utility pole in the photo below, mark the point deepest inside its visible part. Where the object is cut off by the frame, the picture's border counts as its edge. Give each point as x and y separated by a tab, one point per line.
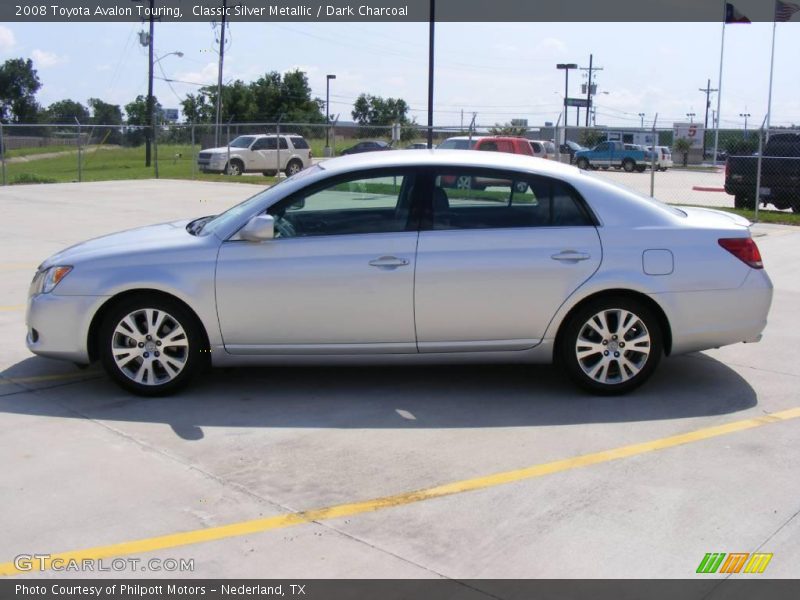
707	91
150	107
219	72
589	94
431	40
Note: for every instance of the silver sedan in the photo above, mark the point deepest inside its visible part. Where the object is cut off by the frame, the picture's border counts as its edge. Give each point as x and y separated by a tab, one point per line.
384	258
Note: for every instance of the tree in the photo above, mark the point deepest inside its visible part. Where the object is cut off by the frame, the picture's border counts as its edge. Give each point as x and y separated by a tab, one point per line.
508	129
66	111
104	113
19	83
591	137
136	112
264	100
374	110
683	146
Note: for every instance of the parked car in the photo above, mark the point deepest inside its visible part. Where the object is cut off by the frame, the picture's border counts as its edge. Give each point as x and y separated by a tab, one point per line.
257	153
460	142
575	270
613	154
570	147
542	149
663	157
366	146
507	144
780	174
417	146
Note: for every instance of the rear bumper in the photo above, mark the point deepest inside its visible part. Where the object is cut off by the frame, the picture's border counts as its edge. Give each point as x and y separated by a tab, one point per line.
714	318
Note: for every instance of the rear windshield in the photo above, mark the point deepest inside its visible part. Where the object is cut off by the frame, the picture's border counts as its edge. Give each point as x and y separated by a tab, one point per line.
655	201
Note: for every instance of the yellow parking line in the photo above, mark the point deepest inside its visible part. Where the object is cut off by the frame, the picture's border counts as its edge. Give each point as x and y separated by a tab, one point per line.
11	307
37	378
347	510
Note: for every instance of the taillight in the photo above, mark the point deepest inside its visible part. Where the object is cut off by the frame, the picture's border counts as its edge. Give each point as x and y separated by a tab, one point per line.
310	156
744	249
727	168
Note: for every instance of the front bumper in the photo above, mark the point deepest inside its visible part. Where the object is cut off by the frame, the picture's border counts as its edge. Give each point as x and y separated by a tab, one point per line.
58	326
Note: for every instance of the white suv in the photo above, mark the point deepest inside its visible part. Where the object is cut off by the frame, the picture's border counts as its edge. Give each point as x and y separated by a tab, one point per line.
266	154
663	158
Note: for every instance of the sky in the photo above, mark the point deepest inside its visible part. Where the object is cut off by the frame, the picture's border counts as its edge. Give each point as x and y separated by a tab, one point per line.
500	71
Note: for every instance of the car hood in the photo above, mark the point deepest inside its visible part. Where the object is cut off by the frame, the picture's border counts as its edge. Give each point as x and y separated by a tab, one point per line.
159	237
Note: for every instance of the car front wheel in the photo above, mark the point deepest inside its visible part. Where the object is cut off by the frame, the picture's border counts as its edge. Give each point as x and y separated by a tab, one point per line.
151	347
611	345
583	164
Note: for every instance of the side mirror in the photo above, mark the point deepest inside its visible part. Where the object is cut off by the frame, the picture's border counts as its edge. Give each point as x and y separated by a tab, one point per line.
259	229
298	205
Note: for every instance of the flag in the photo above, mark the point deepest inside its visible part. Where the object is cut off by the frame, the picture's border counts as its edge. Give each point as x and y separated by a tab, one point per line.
734	16
785	10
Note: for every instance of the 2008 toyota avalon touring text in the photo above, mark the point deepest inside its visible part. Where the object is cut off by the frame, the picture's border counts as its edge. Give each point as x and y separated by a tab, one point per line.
391	257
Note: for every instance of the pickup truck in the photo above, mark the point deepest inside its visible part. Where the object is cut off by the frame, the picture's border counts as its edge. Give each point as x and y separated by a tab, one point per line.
613	154
780	174
257	153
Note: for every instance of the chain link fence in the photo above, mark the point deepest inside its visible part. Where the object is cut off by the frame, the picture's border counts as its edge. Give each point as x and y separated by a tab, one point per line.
658	164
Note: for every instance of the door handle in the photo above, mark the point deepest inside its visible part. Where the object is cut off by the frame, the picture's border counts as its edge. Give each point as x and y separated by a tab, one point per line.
570	256
388	261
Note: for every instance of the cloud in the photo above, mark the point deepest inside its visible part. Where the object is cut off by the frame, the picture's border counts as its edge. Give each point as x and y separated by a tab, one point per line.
205	76
551	46
45	59
7	39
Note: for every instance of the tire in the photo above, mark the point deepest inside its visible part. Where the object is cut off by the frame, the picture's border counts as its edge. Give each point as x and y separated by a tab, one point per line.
743	202
592	347
628	165
294	167
162	357
641	169
582	164
235	167
463	182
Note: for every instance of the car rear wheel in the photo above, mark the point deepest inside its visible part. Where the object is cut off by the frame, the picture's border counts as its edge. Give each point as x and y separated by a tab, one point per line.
582	163
628	165
294	167
612	345
744	202
151	347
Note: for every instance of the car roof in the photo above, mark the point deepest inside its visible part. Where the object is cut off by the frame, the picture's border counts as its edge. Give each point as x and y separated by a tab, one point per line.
448	158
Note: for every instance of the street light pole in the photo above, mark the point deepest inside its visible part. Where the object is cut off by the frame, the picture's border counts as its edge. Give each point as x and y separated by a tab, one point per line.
328	113
566	68
745	115
691	116
641	117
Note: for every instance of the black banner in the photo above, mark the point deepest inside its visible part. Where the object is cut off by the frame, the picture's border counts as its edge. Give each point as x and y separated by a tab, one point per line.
384	10
379	589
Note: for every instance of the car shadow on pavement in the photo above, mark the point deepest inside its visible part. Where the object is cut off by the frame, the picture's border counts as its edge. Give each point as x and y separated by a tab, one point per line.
384	397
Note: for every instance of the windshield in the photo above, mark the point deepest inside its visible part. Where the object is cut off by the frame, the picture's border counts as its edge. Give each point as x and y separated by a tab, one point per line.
222	220
243	141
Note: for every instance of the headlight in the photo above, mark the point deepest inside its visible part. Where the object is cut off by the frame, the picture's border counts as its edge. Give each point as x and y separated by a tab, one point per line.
45	281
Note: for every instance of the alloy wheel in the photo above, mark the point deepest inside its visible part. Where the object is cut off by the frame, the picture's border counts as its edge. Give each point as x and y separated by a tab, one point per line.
613	346
150	347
